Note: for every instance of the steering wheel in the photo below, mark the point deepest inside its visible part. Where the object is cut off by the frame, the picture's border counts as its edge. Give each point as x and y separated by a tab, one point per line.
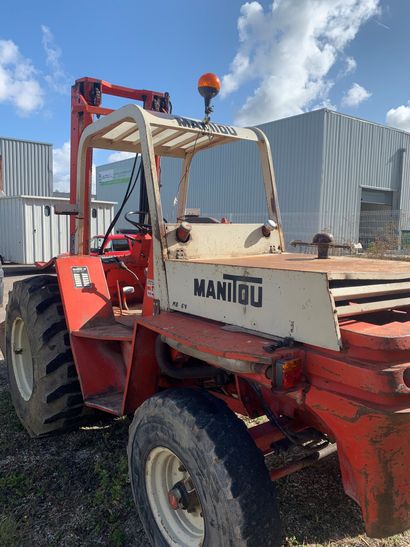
144	228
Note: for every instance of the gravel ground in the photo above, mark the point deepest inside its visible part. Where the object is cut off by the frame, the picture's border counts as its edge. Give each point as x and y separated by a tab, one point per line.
73	490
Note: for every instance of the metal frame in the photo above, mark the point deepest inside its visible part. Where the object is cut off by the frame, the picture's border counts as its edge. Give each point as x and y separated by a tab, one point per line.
153	136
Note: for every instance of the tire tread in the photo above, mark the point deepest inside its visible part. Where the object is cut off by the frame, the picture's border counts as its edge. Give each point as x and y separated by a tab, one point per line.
239	464
58	404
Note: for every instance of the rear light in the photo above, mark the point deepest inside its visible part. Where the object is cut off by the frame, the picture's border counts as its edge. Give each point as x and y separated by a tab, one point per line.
406	377
268	227
289	373
183	232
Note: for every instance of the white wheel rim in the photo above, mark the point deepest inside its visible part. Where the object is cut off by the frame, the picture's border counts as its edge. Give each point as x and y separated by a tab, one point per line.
22	359
163	469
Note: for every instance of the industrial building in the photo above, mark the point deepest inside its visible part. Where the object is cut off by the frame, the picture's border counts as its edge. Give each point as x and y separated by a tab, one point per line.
26	168
334	172
30	231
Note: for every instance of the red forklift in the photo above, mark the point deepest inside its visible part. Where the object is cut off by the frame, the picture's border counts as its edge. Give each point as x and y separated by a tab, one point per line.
206	322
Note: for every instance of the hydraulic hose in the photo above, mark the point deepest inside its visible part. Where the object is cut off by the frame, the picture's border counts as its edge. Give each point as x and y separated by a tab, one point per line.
130	188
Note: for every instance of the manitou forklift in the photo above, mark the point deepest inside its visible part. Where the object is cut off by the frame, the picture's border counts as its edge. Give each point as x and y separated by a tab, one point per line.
210	321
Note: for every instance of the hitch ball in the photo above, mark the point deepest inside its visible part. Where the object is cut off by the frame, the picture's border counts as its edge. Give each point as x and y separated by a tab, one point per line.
323	241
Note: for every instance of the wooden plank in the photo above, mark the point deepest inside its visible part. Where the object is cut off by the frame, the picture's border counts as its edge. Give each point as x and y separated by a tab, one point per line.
167	136
117	132
125	134
360	309
334	267
367	291
133	137
183	140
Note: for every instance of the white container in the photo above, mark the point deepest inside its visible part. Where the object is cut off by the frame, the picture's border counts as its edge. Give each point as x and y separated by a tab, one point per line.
30	231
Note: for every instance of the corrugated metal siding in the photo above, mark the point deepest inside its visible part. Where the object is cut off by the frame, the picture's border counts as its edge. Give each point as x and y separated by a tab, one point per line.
227	181
297	145
27	167
111	184
297	150
359	154
171	171
224	182
27	235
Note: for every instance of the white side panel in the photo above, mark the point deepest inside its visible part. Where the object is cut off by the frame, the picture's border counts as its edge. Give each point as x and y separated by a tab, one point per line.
212	240
104	215
28	234
46	235
276	302
60	229
11	230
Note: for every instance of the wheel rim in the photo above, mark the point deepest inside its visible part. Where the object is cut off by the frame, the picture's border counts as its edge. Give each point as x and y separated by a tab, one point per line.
21	358
179	526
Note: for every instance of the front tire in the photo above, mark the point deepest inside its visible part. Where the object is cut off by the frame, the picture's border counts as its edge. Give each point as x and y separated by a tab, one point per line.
196	475
43	381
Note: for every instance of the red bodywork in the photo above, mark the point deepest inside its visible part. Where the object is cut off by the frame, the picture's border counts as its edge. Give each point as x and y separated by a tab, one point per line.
359	397
86	98
110	246
137	262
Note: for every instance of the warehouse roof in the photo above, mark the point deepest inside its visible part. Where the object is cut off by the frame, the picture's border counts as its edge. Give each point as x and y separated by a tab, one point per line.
335	113
24	140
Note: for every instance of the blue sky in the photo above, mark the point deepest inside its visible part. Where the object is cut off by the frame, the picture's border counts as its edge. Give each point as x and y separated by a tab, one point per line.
275	59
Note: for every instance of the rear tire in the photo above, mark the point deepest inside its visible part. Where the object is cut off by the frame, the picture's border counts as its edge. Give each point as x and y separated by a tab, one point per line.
43	381
189	436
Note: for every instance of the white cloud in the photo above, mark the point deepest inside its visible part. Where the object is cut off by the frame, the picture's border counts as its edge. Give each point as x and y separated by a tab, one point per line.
61	169
289	50
399	117
57	79
19	84
118	156
356	95
326	103
351	65
20	80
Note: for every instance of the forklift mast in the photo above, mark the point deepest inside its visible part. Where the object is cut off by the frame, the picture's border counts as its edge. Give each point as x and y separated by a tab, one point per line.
86	101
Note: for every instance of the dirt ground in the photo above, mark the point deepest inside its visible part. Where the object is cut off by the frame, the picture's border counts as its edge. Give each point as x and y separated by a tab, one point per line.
73	490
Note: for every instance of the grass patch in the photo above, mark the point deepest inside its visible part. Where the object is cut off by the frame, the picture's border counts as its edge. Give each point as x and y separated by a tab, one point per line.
111	498
13	488
8	417
9	532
